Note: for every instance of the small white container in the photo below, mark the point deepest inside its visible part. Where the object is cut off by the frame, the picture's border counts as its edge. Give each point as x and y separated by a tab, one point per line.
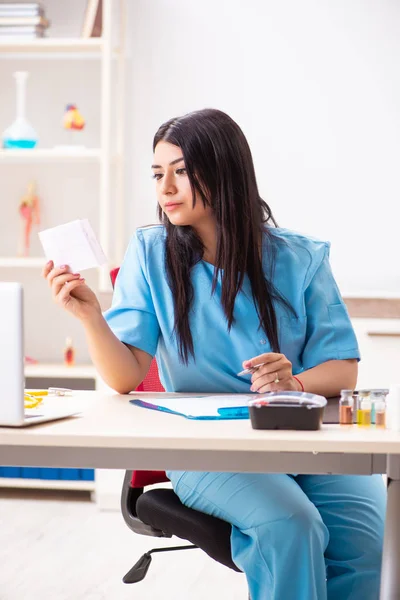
393	408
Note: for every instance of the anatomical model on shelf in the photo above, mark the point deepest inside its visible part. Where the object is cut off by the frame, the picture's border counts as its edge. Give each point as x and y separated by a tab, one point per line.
73	122
29	210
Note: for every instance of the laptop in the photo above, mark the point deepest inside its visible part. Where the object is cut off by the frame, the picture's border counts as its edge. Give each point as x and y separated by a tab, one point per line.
12	380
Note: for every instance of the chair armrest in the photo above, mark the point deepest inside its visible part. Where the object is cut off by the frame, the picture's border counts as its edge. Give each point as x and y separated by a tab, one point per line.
129	497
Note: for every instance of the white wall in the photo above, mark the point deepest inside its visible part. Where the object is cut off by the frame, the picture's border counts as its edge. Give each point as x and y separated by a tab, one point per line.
314	85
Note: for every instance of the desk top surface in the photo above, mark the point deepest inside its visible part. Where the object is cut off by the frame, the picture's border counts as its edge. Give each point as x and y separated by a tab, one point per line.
108	420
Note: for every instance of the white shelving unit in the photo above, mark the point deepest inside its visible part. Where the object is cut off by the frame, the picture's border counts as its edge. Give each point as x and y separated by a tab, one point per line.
103	50
50	46
47	484
61	371
50	155
110	162
27	263
56	371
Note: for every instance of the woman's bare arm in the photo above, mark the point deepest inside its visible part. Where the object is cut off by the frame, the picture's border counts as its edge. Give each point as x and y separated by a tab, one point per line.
122	367
327	379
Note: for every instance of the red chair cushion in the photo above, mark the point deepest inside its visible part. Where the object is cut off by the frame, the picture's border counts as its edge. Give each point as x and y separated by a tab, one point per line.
142	478
113	275
151	383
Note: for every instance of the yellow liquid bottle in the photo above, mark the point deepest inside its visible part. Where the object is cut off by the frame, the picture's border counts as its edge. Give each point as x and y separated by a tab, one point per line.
364	416
363	395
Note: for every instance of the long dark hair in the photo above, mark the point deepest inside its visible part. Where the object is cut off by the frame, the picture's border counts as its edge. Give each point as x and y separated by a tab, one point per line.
220	169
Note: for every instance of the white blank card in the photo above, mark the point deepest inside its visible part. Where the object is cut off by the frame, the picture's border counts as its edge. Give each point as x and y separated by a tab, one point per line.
73	244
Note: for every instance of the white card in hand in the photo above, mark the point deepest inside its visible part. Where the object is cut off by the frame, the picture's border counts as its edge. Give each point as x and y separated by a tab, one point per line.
73	244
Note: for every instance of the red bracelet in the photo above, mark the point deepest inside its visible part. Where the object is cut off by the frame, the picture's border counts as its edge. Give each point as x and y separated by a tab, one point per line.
297	379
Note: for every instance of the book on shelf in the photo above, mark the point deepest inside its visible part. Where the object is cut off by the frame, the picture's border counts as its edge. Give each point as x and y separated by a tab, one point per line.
12	32
20	14
21	9
20	37
92	22
23	21
12	6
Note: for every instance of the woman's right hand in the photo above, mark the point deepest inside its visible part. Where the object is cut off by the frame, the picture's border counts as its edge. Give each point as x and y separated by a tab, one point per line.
70	291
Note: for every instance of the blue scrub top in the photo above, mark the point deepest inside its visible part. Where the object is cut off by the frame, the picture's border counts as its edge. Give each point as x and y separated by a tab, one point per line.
142	314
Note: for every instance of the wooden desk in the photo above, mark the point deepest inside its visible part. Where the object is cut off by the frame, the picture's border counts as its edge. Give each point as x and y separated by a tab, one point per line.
111	433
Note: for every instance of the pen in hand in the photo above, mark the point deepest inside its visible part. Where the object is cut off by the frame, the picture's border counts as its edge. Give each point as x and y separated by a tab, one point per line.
251	370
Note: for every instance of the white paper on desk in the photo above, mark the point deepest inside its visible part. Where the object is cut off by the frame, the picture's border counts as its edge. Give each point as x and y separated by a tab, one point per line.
73	244
200	406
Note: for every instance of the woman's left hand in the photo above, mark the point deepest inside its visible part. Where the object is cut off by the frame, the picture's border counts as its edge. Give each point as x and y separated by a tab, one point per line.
274	375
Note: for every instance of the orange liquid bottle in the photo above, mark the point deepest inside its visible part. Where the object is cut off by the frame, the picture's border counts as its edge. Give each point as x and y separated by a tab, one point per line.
346	407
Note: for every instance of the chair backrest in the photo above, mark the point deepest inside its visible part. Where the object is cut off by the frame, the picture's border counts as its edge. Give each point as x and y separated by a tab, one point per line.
151	383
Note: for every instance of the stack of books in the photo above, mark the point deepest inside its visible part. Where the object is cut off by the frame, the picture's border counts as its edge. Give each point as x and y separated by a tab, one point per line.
22	20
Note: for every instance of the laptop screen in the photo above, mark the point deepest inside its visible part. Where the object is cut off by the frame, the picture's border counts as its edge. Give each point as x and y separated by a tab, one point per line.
11	353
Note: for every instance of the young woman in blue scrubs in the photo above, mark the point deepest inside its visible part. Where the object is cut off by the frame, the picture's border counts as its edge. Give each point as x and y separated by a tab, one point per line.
218	287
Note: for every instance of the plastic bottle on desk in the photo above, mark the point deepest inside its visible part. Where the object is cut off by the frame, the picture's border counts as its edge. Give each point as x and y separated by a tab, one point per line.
393	408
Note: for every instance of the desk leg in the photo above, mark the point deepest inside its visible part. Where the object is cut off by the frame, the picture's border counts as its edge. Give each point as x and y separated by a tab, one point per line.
390	582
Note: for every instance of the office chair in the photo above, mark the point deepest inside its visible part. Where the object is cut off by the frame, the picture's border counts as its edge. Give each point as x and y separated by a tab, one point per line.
160	513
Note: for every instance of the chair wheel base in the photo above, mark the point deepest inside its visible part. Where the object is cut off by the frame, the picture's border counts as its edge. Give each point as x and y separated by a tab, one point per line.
139	570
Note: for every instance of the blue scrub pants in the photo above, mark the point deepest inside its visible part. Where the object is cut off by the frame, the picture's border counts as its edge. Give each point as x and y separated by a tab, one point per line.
304	537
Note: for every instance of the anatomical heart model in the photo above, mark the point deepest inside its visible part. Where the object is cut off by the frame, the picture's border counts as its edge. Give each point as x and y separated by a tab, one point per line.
73	123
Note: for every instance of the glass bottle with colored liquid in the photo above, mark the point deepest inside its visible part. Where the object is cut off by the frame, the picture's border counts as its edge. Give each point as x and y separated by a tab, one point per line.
364	408
346	407
20	134
378	400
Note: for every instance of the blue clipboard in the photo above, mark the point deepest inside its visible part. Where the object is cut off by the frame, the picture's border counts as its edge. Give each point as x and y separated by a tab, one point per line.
225	413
